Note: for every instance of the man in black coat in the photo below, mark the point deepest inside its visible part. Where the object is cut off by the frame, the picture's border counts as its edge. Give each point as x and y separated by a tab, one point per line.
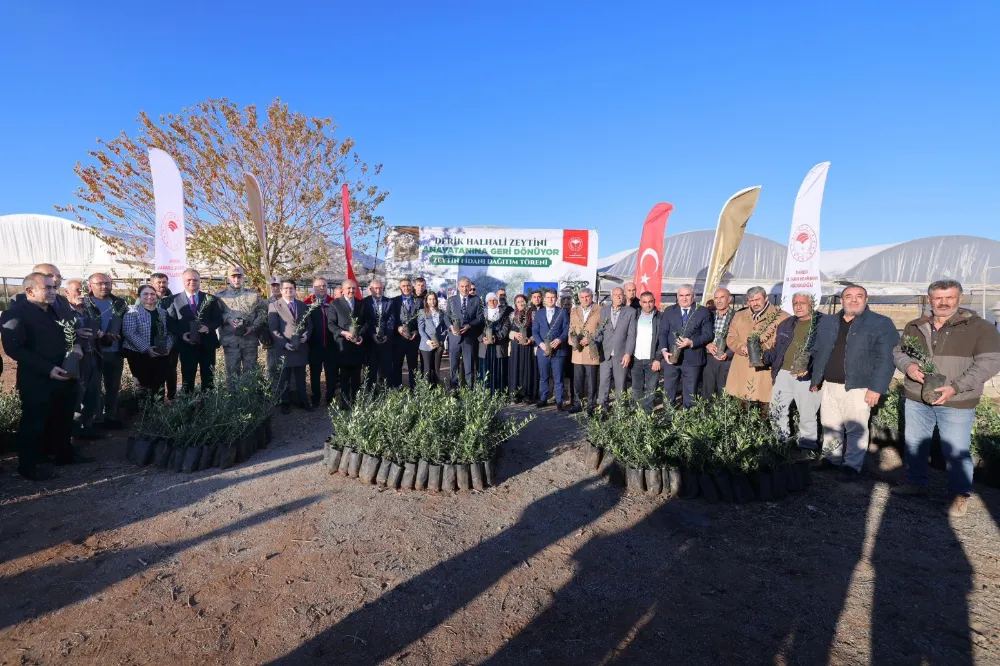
164	296
34	338
194	305
406	340
685	329
381	322
322	346
345	319
466	315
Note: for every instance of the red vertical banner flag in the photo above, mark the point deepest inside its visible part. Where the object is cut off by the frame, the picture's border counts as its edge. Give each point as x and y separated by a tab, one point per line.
649	262
345	202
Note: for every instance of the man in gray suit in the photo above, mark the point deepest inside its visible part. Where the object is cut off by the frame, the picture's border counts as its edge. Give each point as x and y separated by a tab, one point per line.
465	313
617	341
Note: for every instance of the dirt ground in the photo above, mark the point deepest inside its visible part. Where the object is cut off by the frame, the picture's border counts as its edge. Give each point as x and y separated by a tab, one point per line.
276	561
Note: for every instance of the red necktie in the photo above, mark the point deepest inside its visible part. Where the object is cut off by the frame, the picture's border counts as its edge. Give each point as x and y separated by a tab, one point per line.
323	309
291	308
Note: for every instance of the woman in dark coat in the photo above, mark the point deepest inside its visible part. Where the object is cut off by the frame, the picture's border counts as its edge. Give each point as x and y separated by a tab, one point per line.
493	344
522	365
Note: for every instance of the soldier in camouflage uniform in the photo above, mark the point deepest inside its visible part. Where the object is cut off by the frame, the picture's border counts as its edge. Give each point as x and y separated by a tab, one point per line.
242	318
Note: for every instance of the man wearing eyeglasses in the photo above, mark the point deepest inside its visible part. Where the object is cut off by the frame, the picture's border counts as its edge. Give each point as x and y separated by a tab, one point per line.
111	309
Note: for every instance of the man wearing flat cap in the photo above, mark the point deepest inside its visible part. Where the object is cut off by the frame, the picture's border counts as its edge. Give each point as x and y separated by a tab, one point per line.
243	315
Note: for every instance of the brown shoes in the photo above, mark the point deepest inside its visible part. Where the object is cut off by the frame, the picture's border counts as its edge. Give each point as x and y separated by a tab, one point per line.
959	506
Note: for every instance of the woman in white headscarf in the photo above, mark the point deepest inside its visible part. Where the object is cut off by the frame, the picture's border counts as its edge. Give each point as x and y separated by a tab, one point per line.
493	342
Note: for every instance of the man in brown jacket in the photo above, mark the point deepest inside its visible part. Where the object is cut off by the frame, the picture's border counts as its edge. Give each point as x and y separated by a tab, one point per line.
746	381
964	348
584	320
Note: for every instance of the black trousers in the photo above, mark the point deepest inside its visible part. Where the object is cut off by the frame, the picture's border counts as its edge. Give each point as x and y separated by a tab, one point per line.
380	363
172	359
323	360
688	375
469	358
431	360
298	375
150	372
644	383
46	424
713	381
405	350
193	359
350	383
585	384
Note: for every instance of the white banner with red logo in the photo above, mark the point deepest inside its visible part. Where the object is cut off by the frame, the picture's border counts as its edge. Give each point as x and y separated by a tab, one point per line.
493	257
802	265
169	242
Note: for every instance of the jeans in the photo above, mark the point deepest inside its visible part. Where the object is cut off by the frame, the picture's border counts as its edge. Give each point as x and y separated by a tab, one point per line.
954	427
788	389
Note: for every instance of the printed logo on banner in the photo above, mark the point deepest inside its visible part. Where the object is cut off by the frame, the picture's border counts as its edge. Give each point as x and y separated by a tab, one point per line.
804	243
171	232
575	246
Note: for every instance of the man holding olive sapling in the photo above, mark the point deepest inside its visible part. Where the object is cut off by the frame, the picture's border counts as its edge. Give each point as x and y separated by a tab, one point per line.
759	320
243	313
853	363
720	356
790	361
965	349
192	317
685	329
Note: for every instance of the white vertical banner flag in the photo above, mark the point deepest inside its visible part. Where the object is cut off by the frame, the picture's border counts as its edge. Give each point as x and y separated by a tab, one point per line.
802	264
169	242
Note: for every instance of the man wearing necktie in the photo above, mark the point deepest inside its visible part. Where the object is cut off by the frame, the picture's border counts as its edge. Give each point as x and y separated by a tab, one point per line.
189	306
349	326
466	315
406	340
381	324
291	336
550	328
690	328
322	351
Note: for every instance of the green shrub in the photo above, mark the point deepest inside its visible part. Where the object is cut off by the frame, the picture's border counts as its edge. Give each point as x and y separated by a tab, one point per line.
889	412
986	431
10	411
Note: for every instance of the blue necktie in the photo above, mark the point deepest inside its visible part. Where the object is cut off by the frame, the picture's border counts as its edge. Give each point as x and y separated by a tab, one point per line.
684	317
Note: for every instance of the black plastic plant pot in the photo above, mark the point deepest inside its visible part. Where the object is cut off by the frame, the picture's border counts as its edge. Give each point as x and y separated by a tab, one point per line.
334	462
296	343
207	456
779	483
755	353
382	478
805	472
675	354
420	479
71	364
260	439
477	477
610	469
394	477
793	480
177	459
634	481
742	490
245	448
160	345
689	486
490	472
115	326
724	483
448	478
268	431
369	469
720	344
192	456
142	452
672	482
409	476
654	481
129	443
227	457
592	455
765	489
463	477
354	465
345	460
707	487
193	333
434	478
932	381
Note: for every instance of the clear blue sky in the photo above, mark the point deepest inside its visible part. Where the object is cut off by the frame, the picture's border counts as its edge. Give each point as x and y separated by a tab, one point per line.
577	115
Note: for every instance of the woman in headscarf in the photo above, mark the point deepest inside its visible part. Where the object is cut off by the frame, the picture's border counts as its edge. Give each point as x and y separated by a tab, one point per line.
493	345
522	365
146	341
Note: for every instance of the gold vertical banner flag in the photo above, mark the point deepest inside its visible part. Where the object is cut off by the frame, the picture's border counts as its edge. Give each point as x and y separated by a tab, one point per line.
728	236
257	217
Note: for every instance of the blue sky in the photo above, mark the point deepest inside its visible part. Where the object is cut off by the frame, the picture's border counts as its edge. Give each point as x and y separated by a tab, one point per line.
575	115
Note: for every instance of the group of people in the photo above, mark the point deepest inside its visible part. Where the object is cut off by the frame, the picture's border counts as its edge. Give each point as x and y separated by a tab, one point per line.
834	367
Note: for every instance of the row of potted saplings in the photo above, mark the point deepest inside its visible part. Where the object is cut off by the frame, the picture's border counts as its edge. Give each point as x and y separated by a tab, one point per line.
425	439
719	449
202	429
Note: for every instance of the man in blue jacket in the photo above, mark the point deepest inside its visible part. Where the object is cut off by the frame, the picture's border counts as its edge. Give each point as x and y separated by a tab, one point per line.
550	328
690	328
853	363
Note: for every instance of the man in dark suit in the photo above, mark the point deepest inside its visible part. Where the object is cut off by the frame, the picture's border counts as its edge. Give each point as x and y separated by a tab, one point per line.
34	338
165	297
719	357
291	327
346	319
406	340
381	325
190	306
685	329
419	291
322	347
466	315
550	327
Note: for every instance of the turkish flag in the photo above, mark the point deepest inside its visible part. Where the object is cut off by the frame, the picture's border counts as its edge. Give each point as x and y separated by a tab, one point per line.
649	263
345	199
